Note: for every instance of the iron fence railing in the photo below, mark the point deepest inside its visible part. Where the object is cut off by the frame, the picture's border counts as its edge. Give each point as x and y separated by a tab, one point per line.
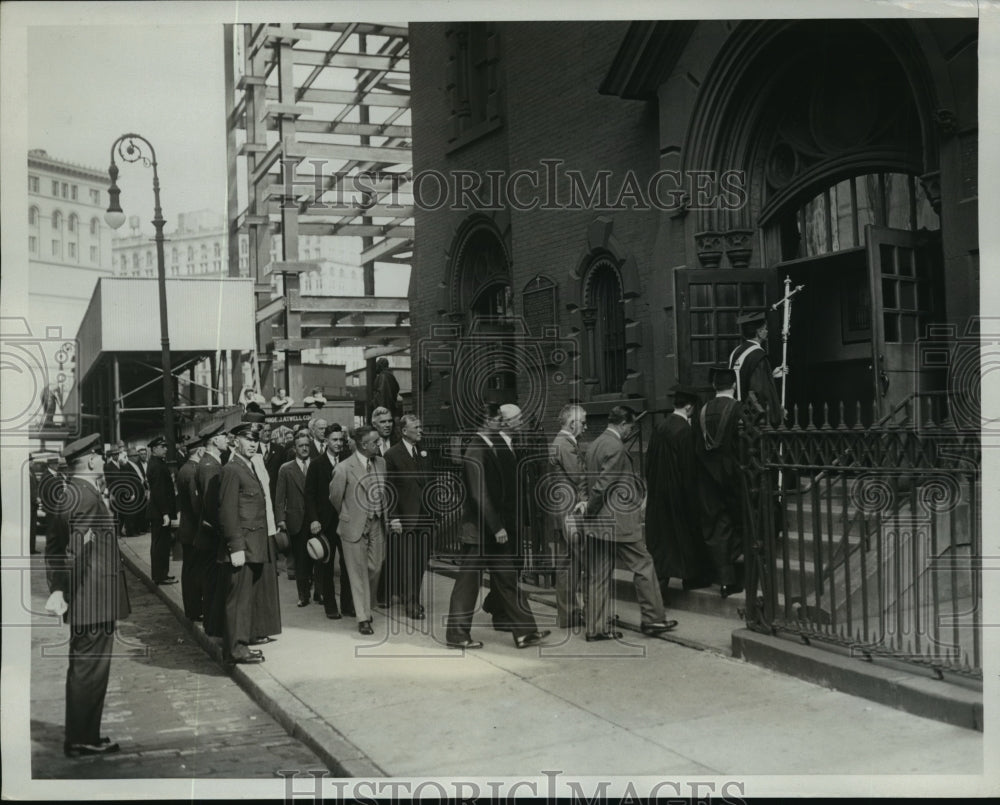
871	541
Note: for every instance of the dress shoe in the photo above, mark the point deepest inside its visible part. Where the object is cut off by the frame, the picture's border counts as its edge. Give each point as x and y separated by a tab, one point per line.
247	659
303	602
380	603
348	612
318	597
291	575
104	747
168	580
262	641
365	627
532	639
612	635
499	627
415	612
657	628
334	616
465	644
727	590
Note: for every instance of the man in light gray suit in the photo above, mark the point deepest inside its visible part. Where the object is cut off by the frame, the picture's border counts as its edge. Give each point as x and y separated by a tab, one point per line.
357	492
614	530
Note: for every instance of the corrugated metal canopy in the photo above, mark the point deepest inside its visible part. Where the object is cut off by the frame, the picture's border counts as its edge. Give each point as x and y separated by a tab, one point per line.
203	315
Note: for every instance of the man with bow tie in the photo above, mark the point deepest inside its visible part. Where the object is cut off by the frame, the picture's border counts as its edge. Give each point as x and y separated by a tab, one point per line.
408	471
357	492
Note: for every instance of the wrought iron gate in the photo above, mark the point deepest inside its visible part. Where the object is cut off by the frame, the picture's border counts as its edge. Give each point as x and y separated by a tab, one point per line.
869	538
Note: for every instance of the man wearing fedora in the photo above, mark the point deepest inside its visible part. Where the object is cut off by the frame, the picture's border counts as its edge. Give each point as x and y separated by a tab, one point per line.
162	509
244	545
289	511
321	517
357	492
87	588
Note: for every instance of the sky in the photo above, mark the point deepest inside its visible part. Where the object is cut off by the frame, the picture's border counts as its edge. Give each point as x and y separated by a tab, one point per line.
87	85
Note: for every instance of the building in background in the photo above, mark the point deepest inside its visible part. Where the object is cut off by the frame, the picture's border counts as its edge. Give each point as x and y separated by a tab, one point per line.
319	156
69	245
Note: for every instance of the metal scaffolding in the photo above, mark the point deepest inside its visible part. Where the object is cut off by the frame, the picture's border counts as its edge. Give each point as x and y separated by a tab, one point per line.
318	143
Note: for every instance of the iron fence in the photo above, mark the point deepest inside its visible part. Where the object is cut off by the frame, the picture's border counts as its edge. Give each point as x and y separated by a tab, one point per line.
868	537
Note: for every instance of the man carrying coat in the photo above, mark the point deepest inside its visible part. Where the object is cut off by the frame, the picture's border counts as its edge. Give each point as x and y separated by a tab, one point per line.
614	531
87	588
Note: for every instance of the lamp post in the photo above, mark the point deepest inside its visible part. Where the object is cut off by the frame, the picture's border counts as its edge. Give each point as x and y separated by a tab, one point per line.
132	148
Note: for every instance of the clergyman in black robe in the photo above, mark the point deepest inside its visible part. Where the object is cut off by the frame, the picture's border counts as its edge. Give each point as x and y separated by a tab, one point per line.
673	528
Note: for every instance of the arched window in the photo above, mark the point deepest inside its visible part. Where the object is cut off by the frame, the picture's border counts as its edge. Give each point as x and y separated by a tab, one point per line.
605	304
835	218
190	254
95	226
33	216
57	220
174	255
218	249
135	262
149	259
124	261
71	223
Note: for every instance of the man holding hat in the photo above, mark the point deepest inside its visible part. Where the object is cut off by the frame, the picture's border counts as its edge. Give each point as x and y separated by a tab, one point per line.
209	533
162	509
321	517
720	483
244	544
754	376
673	527
87	585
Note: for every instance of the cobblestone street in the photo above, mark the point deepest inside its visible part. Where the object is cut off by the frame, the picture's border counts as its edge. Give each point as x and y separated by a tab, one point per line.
172	709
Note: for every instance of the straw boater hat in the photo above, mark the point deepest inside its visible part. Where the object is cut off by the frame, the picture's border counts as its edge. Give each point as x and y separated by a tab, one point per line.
318	548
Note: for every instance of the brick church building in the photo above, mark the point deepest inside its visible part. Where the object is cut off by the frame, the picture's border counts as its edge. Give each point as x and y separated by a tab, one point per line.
598	201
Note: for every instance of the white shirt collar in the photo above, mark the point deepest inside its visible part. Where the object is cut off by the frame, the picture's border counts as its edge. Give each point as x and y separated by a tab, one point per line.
571	437
411	448
730	393
363	460
615	432
331	458
681	412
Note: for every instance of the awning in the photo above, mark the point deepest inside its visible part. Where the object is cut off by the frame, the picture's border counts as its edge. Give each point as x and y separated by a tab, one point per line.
203	315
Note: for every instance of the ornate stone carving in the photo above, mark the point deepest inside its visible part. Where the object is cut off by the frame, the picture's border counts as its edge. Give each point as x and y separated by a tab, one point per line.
739	247
946	122
709	246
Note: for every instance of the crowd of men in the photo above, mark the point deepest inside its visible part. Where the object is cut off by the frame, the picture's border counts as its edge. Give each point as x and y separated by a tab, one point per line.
351	511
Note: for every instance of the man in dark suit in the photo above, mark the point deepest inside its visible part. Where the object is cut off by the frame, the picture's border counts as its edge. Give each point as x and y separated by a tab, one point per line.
720	481
243	548
87	587
322	519
357	492
614	530
290	513
408	471
162	509
209	534
317	428
189	517
487	529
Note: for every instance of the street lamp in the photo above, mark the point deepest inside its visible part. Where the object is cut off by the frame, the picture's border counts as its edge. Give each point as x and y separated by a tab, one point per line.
132	148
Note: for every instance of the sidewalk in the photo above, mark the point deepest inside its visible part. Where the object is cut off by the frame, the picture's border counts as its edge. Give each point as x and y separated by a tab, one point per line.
174	712
401	704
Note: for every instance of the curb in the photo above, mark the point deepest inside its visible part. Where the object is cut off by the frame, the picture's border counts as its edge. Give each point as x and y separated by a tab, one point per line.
342	758
948	702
